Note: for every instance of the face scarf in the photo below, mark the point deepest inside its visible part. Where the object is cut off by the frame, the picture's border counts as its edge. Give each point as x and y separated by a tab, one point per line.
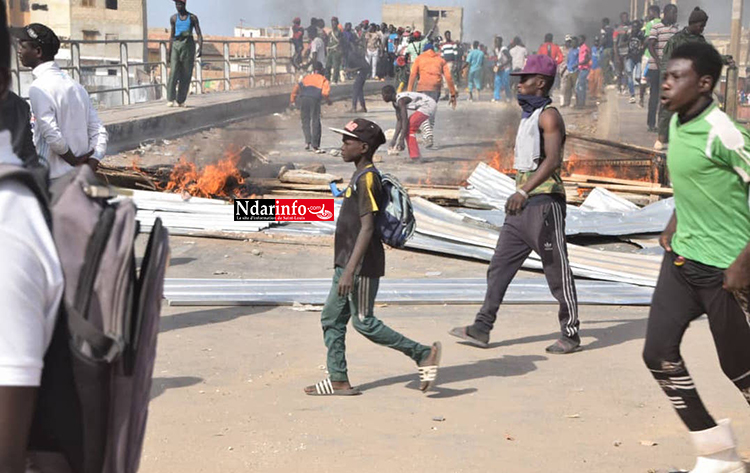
530	103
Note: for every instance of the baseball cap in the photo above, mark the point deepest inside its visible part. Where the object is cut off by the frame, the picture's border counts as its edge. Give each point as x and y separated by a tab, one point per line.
39	34
538	64
363	130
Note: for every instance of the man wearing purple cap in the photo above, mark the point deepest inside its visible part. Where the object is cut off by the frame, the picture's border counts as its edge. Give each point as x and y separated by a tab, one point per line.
535	214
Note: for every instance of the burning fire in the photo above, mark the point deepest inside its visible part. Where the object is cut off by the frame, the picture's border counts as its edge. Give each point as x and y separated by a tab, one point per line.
501	158
221	179
576	164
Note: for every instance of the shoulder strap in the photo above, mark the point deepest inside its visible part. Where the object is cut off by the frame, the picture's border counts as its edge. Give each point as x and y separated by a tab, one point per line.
361	173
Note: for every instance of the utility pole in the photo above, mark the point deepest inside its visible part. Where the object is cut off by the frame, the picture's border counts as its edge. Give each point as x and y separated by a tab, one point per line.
734	50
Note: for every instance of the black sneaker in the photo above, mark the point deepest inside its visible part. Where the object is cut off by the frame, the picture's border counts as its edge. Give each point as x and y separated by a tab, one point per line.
466	334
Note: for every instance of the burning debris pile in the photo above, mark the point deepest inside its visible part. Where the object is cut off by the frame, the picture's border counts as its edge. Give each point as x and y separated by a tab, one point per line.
222	179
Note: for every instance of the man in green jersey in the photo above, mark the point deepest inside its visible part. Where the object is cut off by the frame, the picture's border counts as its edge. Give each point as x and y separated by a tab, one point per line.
706	268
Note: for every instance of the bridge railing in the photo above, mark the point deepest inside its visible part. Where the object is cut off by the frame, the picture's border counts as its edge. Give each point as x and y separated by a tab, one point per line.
224	65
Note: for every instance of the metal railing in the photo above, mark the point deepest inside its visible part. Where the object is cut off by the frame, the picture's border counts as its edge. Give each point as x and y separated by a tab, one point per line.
261	69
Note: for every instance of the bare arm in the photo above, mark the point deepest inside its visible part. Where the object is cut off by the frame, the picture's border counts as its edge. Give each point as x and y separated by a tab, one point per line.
200	35
665	240
652	51
737	276
16	414
171	37
366	232
403	112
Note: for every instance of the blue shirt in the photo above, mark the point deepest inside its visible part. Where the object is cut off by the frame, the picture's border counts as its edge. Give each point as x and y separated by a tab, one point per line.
573	60
475	59
392	40
183	27
596	52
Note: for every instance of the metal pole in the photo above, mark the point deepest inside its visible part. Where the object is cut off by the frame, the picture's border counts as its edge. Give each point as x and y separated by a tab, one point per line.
734	51
75	54
252	64
227	69
124	75
273	63
163	66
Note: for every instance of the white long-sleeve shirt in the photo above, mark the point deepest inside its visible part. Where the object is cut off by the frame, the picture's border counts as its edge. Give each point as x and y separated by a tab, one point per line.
64	119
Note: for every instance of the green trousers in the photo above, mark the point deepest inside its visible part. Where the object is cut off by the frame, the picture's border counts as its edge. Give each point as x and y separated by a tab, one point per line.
181	73
359	307
333	66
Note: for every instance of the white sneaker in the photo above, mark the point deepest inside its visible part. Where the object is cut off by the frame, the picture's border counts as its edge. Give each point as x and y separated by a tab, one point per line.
170	104
632	100
716	448
659	146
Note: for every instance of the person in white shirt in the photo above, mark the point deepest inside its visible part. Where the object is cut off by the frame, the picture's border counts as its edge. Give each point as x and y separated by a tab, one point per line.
31	287
518	55
317	48
67	129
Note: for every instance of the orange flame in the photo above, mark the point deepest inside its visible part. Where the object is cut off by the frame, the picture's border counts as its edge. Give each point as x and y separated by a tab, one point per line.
576	164
221	179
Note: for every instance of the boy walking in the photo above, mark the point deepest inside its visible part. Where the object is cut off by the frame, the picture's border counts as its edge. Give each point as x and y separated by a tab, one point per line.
535	214
308	95
359	262
706	267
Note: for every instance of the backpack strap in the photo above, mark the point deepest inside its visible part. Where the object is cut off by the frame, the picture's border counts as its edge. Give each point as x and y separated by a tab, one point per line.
361	173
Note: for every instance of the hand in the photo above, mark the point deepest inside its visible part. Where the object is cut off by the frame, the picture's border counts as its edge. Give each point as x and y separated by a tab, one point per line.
93	164
665	240
453	101
401	145
346	283
737	276
515	204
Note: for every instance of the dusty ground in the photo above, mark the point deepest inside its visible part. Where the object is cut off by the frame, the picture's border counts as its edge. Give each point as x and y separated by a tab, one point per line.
227	393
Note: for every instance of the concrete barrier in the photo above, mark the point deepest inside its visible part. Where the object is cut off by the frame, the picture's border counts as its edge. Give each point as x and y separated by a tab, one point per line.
129	126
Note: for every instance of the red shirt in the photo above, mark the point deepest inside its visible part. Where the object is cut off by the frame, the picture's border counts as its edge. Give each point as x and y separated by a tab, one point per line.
584	51
552	50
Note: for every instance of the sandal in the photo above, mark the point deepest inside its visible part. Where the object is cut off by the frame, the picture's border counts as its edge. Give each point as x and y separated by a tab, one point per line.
463	334
325	388
428	374
565	346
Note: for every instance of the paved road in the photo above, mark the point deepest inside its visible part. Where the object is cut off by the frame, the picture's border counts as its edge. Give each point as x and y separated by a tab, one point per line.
228	381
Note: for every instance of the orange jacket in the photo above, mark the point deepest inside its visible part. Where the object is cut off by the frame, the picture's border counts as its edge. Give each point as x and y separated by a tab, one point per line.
552	50
430	68
312	85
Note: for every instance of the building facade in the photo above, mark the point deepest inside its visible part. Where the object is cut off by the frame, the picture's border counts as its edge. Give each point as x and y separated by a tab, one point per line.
423	18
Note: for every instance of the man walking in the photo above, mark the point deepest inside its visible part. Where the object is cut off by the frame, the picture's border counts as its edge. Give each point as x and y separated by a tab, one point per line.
502	68
357	65
660	35
181	54
449	52
570	75
475	61
308	95
422	106
608	44
68	132
707	243
535	214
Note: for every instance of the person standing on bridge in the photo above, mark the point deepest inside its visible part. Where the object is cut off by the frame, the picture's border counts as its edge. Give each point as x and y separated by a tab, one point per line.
182	53
706	266
67	129
535	214
308	95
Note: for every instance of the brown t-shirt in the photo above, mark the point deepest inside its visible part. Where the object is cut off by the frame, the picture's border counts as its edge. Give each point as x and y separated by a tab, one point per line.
357	203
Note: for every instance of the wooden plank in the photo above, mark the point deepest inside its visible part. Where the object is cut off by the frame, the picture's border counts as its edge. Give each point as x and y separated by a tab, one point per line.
662	191
609	180
295	176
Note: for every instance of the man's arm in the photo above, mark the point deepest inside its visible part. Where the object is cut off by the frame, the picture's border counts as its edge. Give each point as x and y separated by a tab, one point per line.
200	36
665	239
366	232
295	91
397	131
652	49
451	85
737	276
326	91
16	414
171	37
403	112
553	130
98	138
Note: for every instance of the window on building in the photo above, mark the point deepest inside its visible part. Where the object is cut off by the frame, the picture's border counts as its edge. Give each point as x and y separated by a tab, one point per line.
24	5
89	35
88	3
112	4
111	72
